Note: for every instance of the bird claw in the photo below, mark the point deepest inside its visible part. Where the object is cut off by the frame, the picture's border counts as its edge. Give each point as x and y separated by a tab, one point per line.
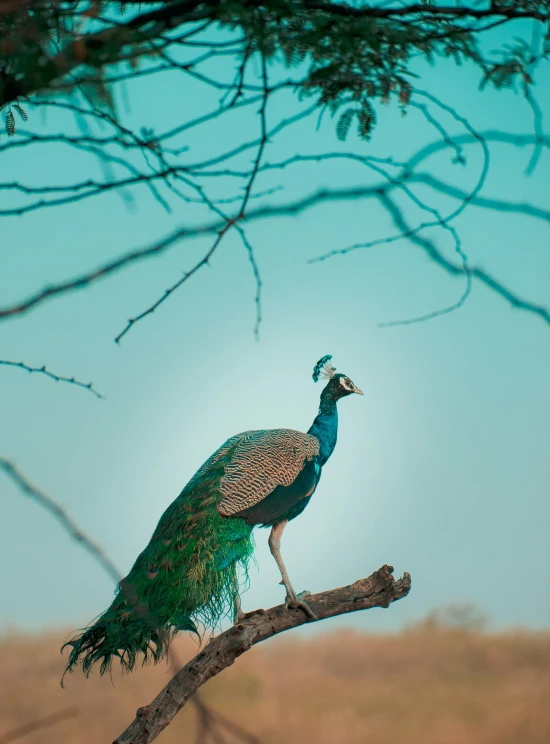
240	616
297	602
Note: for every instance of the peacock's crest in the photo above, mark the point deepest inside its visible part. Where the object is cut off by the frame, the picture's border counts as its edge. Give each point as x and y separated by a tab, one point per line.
324	369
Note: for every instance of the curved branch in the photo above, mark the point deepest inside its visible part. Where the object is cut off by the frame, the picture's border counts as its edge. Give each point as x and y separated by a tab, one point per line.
133	257
225	229
424	9
58	378
477	273
96	49
323	196
38	724
62	516
378	590
102	48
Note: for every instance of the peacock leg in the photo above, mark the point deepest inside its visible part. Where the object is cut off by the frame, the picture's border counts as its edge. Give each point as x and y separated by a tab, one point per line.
292	599
238	614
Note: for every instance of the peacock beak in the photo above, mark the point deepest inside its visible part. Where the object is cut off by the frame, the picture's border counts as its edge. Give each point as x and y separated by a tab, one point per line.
356	390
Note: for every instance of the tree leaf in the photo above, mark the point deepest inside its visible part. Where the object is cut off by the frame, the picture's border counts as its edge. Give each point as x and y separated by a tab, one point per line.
344	123
21	111
10	123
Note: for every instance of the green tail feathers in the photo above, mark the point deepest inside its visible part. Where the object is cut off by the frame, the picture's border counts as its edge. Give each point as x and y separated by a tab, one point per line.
186	576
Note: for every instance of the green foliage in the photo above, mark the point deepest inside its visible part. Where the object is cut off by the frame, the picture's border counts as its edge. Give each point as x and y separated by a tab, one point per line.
21	111
517	58
344	123
354	55
10	123
10	118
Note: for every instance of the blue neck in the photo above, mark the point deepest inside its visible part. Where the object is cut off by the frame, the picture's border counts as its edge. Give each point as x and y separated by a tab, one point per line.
325	426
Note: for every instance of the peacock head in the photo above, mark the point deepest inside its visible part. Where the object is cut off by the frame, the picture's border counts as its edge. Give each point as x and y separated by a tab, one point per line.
339	385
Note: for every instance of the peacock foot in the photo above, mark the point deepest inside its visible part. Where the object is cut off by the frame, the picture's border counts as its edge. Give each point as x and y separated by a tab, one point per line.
240	615
296	601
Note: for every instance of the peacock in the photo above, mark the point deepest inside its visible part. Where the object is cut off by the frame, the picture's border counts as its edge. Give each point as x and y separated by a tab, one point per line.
188	575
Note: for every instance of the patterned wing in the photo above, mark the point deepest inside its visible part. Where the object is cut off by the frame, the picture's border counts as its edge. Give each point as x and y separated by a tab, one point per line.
220	453
261	461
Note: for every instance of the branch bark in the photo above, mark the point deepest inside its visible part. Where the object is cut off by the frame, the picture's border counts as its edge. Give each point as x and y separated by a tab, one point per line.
378	590
103	47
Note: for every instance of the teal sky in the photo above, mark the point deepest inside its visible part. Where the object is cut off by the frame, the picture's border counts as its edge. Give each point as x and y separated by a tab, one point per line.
442	469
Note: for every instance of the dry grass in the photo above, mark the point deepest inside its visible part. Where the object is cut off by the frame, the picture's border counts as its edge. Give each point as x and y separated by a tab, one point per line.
429	685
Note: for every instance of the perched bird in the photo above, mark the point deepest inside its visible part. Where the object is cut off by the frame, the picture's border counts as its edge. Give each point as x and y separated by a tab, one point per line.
188	573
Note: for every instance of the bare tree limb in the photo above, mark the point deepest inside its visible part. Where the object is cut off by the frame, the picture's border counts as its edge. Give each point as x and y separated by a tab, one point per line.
456	11
58	378
84	280
37	725
289	210
187	275
379	590
484	202
230	222
477	273
62	516
209	719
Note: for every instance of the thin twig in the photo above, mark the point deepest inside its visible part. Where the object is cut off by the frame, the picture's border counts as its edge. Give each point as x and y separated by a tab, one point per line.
230	222
291	209
187	275
58	378
477	273
455	213
38	724
62	516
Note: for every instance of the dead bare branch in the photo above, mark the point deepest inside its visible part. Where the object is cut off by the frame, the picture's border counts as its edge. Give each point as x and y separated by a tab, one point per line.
38	724
477	273
62	516
290	209
378	590
58	378
229	223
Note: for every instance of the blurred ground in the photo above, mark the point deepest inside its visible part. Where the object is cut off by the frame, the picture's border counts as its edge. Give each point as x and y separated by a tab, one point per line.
428	685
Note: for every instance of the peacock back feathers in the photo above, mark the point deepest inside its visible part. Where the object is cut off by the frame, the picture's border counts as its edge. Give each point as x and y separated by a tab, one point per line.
261	462
186	576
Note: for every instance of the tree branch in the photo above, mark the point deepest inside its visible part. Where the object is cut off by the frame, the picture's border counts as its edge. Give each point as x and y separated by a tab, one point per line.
64	519
58	378
495	10
477	273
102	48
291	209
37	725
230	222
379	590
